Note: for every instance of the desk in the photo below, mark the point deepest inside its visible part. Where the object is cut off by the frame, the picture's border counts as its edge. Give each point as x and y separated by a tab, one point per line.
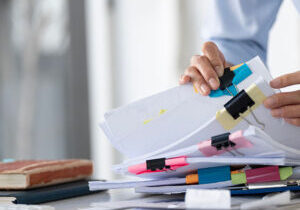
111	195
85	201
121	195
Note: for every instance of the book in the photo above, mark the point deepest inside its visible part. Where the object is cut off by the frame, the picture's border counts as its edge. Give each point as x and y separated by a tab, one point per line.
47	194
27	174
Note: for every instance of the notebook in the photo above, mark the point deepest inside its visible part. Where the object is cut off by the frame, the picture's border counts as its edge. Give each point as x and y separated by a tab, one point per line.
47	194
25	174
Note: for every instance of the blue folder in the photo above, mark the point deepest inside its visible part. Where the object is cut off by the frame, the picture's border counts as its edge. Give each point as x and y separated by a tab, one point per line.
264	190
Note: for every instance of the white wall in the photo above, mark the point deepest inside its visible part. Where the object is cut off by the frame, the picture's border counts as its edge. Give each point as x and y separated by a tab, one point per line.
284	42
132	51
139	47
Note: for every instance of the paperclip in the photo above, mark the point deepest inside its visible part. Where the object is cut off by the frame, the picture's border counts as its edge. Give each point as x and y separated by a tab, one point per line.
231	152
256	119
229	92
239	153
236	88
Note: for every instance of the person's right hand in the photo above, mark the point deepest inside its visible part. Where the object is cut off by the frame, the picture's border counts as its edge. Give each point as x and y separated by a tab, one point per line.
204	70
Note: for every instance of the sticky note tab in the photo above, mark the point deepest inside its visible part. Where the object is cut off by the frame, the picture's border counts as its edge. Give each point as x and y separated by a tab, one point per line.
241	72
285	172
232	68
213	174
227	121
264	174
207	199
191	179
238	178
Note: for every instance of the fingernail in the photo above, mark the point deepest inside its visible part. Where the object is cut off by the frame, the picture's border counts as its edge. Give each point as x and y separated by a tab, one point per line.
275	83
219	70
276	112
213	83
269	102
204	89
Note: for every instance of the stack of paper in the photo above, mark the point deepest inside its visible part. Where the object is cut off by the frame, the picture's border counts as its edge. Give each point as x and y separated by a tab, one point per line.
171	135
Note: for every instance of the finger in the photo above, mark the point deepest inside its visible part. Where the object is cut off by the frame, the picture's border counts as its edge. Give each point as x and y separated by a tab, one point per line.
286	80
290	111
197	80
202	63
184	79
216	58
293	121
282	99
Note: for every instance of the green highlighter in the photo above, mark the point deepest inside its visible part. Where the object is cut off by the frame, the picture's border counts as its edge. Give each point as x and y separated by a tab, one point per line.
264	174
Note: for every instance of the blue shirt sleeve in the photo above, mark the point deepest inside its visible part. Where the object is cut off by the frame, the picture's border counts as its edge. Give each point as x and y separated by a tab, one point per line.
240	28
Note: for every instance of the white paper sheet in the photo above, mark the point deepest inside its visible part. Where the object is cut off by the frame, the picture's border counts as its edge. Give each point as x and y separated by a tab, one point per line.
161	125
181	188
184	112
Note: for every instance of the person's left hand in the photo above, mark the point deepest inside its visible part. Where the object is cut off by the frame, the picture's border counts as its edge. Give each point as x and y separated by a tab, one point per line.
285	105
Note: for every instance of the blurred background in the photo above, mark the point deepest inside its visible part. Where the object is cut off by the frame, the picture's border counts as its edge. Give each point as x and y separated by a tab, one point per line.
64	63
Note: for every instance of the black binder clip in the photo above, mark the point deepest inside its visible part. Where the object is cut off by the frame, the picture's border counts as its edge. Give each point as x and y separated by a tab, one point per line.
239	104
226	80
221	141
157	164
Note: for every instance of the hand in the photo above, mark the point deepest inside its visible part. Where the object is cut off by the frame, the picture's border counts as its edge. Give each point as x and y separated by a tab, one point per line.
204	71
285	105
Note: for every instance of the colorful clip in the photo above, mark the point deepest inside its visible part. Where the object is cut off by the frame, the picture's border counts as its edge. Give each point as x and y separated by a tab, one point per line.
240	106
218	145
158	165
231	78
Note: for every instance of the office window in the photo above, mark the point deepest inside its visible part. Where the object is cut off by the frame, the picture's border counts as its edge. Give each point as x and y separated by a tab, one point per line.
43	95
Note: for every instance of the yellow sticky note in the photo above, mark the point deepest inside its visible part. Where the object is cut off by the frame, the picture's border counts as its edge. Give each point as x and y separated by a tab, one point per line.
227	121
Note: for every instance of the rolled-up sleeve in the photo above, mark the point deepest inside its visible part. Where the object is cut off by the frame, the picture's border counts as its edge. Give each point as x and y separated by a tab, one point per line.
240	28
